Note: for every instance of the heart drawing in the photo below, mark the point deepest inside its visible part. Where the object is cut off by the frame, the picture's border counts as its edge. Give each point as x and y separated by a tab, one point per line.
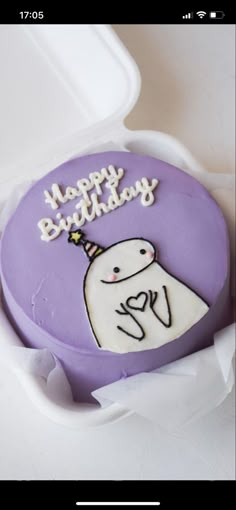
137	302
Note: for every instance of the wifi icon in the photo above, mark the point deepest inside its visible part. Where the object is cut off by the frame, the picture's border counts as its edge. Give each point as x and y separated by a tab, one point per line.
201	14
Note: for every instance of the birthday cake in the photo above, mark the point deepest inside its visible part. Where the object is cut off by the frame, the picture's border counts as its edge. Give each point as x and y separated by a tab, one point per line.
118	264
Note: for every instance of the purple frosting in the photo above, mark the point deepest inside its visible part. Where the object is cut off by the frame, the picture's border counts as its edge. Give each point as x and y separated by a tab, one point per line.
43	282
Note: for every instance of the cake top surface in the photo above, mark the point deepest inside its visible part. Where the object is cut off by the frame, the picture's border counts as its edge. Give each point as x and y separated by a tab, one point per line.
110	197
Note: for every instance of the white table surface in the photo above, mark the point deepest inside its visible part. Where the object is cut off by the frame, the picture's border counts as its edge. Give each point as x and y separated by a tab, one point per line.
187	91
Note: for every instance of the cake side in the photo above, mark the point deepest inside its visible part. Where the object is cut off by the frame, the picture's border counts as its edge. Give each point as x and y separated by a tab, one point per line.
87	371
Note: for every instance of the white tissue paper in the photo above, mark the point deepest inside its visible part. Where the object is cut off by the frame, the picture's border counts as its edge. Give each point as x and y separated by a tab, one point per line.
173	396
181	392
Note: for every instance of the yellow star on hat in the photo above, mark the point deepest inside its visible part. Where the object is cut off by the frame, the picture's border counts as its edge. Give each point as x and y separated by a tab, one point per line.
75	237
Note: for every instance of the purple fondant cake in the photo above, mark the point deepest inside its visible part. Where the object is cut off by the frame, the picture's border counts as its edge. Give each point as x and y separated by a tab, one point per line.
118	264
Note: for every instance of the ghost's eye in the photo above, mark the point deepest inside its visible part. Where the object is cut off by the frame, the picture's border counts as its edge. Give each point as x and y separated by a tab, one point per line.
116	269
142	251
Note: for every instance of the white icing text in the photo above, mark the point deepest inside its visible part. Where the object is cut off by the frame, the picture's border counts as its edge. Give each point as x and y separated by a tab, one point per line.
89	206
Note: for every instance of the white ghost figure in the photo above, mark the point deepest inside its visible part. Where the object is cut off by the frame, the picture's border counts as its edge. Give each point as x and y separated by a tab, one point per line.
132	302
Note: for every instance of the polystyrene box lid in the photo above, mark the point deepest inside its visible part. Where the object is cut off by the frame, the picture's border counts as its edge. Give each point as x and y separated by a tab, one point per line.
62	86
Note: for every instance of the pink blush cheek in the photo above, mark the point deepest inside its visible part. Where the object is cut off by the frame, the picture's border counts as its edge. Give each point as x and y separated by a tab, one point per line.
111	278
150	254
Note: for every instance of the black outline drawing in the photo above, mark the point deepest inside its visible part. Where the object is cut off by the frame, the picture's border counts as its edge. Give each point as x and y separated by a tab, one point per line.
126	312
130	276
83	242
153	297
137	297
152	262
152	303
119	281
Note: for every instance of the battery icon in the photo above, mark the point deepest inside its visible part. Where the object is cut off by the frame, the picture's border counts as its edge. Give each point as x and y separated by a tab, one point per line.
217	15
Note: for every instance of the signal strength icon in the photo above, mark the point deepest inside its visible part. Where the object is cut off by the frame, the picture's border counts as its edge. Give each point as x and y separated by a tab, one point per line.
188	16
201	14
